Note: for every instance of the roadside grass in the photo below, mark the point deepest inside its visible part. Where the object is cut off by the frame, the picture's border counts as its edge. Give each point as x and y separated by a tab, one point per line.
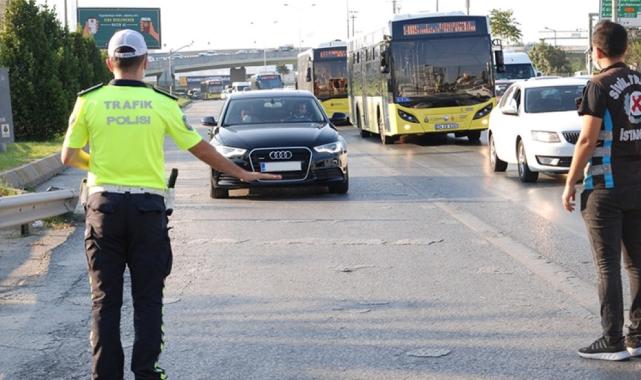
183	101
24	152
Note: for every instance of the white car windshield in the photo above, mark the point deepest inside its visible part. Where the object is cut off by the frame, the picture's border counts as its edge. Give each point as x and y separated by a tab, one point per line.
552	99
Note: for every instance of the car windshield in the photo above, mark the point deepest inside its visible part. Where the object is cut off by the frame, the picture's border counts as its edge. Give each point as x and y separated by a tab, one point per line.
273	110
552	99
267	82
516	71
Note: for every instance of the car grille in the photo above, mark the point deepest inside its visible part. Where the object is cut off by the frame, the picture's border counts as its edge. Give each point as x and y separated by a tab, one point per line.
327	173
298	154
571	136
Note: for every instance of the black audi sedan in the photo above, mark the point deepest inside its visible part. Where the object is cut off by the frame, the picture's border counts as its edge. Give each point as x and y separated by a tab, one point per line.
284	132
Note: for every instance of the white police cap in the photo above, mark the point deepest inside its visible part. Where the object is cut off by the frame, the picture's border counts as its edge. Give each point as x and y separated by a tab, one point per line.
127	38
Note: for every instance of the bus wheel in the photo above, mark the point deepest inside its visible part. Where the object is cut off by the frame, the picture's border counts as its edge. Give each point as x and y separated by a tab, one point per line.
381	132
474	136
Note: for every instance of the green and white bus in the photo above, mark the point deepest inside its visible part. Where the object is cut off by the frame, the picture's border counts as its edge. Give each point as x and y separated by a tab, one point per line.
421	74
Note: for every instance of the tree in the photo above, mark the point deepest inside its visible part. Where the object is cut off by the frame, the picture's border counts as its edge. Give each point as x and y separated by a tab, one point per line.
282	69
549	59
504	25
47	67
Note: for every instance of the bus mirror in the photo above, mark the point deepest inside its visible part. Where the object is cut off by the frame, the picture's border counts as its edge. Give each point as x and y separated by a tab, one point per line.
500	62
308	75
384	62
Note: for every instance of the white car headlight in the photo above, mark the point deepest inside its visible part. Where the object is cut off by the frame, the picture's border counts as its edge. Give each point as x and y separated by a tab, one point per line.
228	151
546	137
334	147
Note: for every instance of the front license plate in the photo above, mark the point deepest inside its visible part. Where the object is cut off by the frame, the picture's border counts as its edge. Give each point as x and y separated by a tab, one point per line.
446	126
287	166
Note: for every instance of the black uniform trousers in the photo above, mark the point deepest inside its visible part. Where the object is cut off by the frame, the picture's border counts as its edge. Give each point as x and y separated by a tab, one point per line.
127	230
613	220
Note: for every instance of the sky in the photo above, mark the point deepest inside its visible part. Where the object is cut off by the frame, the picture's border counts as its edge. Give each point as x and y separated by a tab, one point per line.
235	24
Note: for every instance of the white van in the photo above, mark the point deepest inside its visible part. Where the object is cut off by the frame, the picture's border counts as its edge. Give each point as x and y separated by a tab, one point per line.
517	66
240	86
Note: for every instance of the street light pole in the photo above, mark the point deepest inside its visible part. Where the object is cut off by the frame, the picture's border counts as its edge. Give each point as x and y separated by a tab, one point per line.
554	31
467	6
300	40
171	65
615	10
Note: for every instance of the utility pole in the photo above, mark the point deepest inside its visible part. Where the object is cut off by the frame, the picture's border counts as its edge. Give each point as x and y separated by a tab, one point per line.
615	10
467	6
394	6
591	17
437	5
353	17
347	18
66	18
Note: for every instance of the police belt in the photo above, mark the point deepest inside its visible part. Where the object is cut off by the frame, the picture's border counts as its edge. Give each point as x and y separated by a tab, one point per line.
127	189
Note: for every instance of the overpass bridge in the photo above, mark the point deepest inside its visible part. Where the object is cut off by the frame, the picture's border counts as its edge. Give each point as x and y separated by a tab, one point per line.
162	66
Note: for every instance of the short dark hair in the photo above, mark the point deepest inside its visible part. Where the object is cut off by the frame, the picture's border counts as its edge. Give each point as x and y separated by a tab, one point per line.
611	38
127	64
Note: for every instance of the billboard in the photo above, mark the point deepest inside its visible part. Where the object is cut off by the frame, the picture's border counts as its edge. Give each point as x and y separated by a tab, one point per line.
102	23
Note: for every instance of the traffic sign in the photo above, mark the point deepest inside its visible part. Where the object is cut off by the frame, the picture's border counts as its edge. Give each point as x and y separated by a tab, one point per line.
629	12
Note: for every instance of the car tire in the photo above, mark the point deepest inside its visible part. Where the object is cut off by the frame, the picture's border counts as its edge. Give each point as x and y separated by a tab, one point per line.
340	188
525	174
217	192
474	136
496	164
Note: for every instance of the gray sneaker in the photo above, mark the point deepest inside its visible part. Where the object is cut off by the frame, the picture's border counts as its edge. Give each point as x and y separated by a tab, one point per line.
633	344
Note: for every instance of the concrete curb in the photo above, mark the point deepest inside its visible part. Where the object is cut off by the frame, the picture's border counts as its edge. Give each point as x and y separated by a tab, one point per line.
33	173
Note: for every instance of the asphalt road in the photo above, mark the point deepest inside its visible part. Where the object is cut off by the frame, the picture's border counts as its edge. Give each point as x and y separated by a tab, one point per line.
431	267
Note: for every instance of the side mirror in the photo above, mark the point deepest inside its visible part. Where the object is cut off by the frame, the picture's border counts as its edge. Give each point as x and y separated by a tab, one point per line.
209	121
538	73
339	118
510	108
499	60
384	62
308	75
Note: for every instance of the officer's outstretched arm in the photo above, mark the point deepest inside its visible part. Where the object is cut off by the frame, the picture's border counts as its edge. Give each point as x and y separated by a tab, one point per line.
75	157
207	154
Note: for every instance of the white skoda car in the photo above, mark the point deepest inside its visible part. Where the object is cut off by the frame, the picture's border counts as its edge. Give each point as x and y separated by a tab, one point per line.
536	126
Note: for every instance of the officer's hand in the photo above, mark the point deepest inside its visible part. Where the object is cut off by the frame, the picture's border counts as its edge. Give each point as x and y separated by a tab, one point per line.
255	176
568	196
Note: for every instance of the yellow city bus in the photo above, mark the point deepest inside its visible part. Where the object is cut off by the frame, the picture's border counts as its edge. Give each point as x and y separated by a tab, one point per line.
423	74
211	89
323	72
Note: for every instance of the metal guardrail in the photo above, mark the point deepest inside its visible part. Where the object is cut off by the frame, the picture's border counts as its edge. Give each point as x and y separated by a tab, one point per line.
18	210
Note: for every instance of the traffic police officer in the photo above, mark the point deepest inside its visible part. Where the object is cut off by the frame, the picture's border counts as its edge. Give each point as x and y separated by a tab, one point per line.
610	145
125	124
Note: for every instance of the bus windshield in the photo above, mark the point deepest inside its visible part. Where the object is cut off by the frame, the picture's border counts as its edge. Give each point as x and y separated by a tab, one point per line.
267	82
516	71
330	79
442	72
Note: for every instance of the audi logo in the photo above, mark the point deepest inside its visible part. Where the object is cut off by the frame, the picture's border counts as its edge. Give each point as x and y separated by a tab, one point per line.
280	155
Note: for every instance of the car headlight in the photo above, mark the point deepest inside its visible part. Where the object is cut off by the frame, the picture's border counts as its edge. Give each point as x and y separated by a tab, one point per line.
335	147
546	137
407	116
228	151
483	112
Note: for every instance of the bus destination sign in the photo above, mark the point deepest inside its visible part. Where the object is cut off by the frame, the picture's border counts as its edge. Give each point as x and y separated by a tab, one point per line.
334	53
439	27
